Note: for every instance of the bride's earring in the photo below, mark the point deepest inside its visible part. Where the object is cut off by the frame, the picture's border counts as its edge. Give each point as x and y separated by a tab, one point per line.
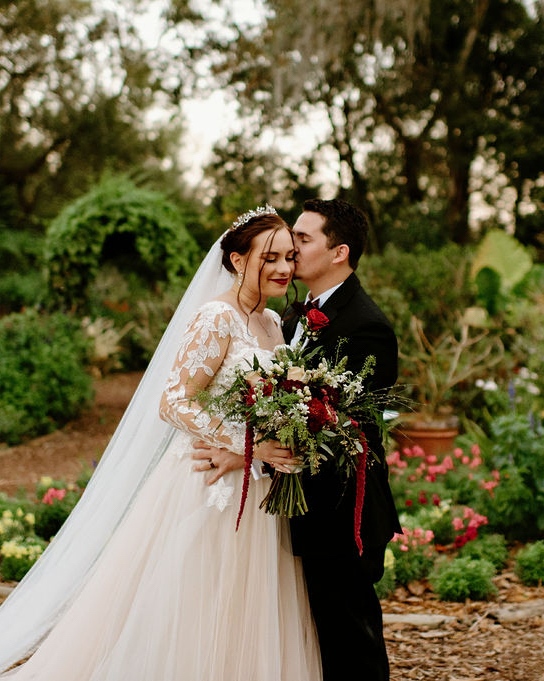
240	279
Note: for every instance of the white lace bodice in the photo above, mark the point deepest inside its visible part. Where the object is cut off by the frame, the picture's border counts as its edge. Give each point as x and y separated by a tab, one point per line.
216	342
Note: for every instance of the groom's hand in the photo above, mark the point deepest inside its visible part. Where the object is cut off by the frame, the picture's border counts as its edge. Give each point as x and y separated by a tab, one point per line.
216	461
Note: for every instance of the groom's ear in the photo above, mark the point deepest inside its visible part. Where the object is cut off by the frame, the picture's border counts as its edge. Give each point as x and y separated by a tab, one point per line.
342	254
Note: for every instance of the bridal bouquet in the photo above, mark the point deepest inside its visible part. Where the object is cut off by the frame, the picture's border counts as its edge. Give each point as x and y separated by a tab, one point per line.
316	408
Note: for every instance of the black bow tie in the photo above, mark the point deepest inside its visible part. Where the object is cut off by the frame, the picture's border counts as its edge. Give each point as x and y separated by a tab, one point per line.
302	308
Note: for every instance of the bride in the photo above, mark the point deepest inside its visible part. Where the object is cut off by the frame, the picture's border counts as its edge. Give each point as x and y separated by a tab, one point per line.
148	579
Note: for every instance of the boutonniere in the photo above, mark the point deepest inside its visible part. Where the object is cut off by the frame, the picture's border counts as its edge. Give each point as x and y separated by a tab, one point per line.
313	322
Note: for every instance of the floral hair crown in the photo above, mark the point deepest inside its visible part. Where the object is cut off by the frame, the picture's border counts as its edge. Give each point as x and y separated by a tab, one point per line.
246	217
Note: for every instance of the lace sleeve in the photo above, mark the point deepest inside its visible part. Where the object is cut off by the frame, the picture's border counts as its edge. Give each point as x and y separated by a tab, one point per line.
201	354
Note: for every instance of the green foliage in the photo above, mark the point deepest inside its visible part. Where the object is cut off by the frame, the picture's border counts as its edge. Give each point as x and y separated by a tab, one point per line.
137	230
42	373
22	281
529	564
434	286
19	290
500	264
517	508
15	519
18	555
51	515
492	547
462	578
413	563
139	316
387	583
408	226
63	120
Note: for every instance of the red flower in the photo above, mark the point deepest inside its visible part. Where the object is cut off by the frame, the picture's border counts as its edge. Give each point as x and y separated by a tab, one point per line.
291	386
460	541
471	533
248	458
360	488
53	495
267	390
332	395
318	415
316	319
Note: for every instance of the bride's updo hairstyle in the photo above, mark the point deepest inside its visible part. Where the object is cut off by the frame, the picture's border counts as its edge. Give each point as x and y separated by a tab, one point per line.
239	237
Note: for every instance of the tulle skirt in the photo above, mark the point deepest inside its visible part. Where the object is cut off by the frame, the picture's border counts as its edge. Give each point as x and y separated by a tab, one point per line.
179	595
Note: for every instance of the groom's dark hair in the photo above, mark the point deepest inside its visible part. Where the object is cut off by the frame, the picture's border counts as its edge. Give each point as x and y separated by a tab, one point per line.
344	224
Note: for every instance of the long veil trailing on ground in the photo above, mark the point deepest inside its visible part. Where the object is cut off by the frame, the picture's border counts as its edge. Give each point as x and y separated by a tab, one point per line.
137	444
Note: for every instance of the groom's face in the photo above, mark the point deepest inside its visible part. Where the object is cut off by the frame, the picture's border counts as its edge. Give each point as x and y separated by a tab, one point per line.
314	257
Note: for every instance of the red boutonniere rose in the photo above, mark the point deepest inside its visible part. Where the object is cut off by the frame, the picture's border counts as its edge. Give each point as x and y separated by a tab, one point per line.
316	320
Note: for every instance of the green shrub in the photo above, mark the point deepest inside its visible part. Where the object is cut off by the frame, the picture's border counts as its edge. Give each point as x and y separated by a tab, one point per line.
56	499
42	373
119	224
529	564
21	289
462	578
15	520
492	547
18	555
517	507
433	285
22	281
387	583
414	555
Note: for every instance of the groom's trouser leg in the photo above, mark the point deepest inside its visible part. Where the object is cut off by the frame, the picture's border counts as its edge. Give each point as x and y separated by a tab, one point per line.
348	615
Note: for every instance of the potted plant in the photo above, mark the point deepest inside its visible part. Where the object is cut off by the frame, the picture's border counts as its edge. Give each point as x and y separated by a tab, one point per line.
434	368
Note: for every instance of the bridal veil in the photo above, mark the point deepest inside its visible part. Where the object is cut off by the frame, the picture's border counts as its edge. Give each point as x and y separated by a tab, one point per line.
137	444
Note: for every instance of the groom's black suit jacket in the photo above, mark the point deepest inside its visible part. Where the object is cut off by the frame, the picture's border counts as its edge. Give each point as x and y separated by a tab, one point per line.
328	526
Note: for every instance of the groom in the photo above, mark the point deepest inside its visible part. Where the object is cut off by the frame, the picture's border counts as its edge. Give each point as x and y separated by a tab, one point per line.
330	237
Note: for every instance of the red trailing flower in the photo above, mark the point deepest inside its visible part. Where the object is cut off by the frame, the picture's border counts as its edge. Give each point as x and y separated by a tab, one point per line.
316	319
360	493
248	458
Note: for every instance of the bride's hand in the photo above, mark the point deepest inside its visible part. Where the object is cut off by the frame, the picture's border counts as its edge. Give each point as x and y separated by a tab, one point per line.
272	453
216	461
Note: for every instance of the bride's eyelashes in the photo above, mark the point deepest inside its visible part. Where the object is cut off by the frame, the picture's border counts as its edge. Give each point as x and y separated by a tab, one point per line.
270	259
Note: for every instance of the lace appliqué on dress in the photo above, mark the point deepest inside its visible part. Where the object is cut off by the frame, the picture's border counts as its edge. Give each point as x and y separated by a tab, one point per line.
220	495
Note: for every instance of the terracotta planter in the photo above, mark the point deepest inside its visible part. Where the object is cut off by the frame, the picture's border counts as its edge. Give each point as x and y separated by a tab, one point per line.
434	437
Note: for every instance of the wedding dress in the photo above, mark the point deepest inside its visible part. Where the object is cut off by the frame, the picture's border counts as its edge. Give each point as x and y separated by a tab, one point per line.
178	594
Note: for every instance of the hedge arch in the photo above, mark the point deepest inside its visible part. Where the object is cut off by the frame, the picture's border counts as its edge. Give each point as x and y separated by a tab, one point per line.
139	230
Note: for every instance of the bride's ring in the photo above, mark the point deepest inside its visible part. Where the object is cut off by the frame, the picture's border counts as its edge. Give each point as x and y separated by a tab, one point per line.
212	465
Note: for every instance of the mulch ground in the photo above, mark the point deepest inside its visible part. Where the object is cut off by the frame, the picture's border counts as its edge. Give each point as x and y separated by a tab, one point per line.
499	640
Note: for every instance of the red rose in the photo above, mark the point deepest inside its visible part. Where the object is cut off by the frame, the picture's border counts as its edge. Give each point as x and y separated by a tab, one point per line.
316	319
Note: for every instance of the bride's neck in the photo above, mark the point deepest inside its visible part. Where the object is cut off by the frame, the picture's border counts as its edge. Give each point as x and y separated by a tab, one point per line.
246	300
